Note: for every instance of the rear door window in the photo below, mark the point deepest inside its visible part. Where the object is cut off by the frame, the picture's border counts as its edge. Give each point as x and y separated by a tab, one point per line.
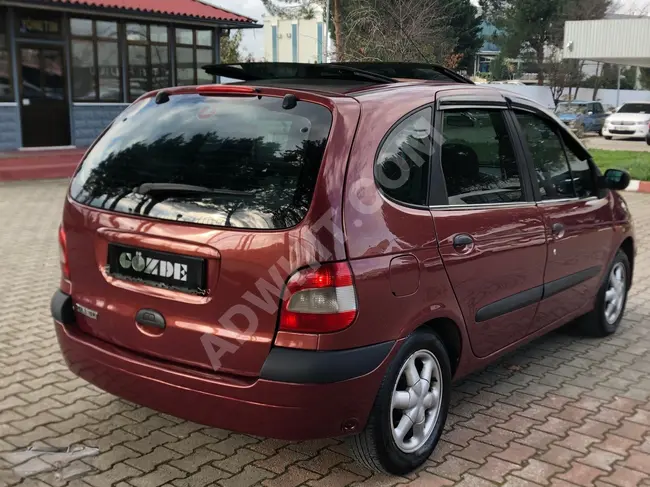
478	159
240	162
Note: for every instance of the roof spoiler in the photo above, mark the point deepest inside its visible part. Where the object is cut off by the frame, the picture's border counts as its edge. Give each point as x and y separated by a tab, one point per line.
375	72
266	71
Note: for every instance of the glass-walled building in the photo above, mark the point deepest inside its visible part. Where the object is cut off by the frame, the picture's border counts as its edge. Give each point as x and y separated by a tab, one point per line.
68	68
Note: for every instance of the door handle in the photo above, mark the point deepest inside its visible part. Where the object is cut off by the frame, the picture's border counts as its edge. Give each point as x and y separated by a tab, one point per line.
558	230
462	240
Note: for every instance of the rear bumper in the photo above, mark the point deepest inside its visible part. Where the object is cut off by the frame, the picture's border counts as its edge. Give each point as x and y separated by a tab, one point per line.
287	409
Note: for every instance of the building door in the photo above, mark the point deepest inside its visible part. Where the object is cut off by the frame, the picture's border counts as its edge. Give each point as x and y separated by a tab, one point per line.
44	107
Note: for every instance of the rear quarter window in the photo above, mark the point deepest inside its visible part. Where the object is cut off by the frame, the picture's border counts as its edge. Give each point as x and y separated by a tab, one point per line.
257	161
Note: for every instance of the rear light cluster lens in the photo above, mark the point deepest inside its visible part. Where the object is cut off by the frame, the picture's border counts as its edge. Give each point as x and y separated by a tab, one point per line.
63	253
319	300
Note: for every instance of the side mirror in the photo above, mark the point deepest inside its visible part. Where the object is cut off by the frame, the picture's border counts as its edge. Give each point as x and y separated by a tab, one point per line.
616	179
590	113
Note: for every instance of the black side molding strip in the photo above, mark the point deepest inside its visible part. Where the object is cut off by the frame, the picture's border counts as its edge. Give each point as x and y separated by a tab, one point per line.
554	287
534	295
313	367
509	304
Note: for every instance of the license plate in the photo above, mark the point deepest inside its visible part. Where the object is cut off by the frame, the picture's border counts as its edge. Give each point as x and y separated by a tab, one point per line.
160	269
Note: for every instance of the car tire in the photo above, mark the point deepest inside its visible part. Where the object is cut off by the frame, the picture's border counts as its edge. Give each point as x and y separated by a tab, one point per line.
611	299
608	137
600	132
382	446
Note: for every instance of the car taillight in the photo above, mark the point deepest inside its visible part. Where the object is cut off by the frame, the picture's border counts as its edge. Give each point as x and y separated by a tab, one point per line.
63	253
321	300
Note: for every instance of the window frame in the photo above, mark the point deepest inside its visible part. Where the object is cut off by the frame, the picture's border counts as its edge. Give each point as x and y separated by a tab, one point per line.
195	48
4	32
568	141
148	44
386	136
438	196
95	40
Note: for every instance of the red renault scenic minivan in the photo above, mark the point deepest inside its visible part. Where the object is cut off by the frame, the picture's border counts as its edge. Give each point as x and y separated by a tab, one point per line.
319	250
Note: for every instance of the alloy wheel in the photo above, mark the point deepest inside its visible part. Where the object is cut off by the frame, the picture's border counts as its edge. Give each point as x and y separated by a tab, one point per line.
615	294
416	401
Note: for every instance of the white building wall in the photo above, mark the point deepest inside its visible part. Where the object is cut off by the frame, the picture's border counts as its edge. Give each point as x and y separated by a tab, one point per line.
307	42
618	41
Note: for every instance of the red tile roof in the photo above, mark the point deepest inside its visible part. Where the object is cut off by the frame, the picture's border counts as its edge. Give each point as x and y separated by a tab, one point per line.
184	8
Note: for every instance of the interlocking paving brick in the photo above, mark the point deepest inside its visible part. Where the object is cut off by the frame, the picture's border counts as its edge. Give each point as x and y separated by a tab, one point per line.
250	476
576	407
207	475
235	463
617	444
495	469
538	471
454	468
632	431
601	459
595	429
111	456
477	452
639	461
517	453
577	442
118	472
148	462
293	477
560	456
580	474
624	477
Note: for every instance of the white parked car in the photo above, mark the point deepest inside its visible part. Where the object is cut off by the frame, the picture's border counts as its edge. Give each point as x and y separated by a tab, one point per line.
631	120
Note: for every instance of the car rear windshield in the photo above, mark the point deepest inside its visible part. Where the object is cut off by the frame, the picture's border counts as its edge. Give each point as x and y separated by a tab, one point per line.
233	161
635	108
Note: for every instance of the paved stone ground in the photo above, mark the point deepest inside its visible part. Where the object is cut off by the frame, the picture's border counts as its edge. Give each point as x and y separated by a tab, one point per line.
617	143
562	411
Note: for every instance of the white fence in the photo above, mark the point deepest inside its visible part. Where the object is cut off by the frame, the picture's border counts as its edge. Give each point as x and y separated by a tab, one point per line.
543	94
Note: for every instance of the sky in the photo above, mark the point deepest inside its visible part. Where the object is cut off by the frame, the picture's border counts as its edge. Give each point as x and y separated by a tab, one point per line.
253	39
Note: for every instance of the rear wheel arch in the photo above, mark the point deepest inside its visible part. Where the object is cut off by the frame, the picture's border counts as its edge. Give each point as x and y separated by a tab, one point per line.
449	333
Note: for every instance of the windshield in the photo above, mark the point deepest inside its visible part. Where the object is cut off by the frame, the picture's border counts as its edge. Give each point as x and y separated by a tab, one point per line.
256	163
635	108
572	108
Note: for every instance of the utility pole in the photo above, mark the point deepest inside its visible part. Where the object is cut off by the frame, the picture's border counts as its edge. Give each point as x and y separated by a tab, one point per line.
618	87
326	44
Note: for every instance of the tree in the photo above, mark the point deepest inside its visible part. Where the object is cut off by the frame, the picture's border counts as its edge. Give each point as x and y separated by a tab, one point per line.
465	26
524	25
499	68
537	26
645	78
606	79
399	30
230	47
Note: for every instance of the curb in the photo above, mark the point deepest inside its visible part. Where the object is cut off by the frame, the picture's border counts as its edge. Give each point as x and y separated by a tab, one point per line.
638	186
